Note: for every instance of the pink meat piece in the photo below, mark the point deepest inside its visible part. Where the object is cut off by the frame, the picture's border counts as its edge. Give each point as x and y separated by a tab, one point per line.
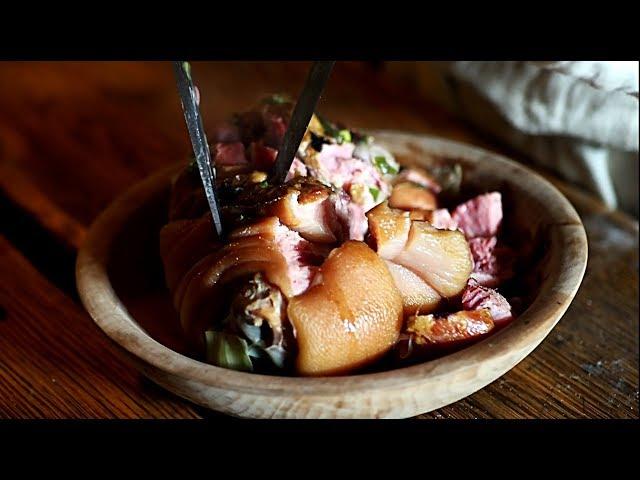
298	169
481	216
275	128
262	157
302	257
337	166
441	218
485	263
351	217
230	154
491	264
476	297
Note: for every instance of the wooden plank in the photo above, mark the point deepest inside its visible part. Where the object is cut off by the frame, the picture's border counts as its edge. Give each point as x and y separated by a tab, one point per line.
57	364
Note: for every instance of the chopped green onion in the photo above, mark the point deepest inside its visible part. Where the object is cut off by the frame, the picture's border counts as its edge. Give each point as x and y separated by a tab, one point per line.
227	351
344	136
264	184
374	193
277	99
329	129
381	164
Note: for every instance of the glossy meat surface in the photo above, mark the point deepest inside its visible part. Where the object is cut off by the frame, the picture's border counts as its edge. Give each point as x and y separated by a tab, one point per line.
351	314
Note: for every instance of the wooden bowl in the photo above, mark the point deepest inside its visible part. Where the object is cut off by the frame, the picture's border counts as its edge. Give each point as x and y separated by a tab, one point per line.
120	281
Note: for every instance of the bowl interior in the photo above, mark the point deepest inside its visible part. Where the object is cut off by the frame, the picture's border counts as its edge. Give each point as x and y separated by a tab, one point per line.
533	210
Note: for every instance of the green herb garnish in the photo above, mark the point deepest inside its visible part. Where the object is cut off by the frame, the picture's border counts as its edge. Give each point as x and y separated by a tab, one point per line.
381	164
227	351
329	129
344	136
264	184
277	99
374	193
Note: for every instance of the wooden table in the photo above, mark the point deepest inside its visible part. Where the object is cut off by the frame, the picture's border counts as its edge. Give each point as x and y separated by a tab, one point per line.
75	135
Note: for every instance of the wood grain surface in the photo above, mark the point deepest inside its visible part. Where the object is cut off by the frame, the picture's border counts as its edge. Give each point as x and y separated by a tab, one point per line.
75	135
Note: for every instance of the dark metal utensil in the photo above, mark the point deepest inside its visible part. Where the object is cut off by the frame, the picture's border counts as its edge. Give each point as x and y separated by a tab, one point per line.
199	143
305	106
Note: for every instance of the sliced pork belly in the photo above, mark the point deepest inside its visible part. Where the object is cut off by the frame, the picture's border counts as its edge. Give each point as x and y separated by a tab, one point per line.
440	257
477	297
410	196
449	328
350	316
417	296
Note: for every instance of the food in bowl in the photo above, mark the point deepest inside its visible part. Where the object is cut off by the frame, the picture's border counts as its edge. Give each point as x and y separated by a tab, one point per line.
353	262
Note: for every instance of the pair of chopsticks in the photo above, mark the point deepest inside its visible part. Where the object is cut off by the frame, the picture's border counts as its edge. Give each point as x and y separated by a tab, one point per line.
302	112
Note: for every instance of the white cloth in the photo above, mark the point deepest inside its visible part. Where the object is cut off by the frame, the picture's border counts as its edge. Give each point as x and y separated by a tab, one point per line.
578	118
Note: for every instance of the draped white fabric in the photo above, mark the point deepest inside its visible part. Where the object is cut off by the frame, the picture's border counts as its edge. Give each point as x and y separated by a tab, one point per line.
577	118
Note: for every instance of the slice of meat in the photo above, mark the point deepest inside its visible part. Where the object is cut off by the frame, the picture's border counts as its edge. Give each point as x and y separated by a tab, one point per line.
350	316
450	328
441	218
301	256
440	257
351	216
390	230
481	216
491	264
419	176
477	297
303	204
307	210
417	296
229	154
409	196
485	264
